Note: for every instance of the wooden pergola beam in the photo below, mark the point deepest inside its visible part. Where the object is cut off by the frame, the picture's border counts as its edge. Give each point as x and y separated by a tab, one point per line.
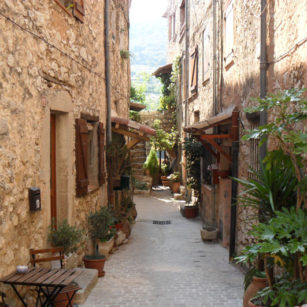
132	143
131	134
218	147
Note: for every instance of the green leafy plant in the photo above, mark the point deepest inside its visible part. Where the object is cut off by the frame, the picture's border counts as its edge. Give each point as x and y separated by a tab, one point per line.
289	110
282	242
284	293
273	188
125	54
65	236
193	151
163	140
99	223
175	177
151	163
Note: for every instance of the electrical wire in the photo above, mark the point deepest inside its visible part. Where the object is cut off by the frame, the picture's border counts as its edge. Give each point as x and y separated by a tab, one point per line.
290	51
99	75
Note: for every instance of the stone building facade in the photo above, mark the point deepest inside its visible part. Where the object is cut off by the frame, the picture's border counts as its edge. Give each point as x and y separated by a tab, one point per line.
219	44
52	98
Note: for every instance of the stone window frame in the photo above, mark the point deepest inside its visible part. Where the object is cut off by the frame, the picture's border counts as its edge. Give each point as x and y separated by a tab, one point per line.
76	8
228	33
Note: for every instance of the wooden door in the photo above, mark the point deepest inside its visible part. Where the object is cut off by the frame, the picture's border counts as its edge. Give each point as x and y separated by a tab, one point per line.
53	168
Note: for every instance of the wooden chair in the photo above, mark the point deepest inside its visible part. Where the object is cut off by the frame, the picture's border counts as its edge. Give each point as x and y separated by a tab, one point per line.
56	250
2	300
70	290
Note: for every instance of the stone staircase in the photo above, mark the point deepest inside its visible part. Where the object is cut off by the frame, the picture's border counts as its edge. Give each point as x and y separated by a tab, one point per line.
137	158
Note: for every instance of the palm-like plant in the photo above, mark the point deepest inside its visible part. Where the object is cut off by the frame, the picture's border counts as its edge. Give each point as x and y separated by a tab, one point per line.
273	188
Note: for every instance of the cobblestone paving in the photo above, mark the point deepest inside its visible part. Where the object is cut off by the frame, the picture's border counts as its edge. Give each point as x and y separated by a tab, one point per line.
167	265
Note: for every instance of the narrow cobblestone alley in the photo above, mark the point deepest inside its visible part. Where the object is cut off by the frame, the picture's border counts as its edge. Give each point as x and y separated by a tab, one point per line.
167	265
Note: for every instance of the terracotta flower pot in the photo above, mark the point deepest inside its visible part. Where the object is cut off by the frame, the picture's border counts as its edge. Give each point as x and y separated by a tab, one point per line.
93	262
62	300
190	212
257	284
175	187
250	304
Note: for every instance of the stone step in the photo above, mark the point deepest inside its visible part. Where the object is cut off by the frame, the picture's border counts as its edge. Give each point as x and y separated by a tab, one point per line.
138	172
86	281
139	153
142	178
140	159
137	165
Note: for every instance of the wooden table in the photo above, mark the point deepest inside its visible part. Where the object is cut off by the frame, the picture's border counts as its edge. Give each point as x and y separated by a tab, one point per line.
49	283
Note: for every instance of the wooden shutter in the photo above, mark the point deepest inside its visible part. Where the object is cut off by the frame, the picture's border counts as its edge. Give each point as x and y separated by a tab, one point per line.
81	157
194	71
101	153
78	10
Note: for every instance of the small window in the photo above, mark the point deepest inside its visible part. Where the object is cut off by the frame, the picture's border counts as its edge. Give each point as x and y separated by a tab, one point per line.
229	37
194	71
182	15
73	8
254	151
174	27
206	55
196	116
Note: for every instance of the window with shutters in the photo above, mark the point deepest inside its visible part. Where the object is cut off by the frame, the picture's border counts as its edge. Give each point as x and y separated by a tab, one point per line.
90	164
73	8
194	71
229	37
254	152
206	55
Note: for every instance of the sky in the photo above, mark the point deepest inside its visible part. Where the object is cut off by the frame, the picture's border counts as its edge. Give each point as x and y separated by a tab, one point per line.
142	10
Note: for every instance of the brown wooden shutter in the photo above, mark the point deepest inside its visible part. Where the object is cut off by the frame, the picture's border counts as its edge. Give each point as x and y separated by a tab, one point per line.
101	153
194	71
81	157
78	10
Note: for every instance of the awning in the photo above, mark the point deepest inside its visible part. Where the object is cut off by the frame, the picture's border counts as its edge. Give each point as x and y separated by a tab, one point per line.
228	117
223	118
136	131
134	106
163	70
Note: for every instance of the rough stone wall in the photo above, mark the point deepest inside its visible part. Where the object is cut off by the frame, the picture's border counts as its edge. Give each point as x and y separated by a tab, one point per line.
238	78
59	67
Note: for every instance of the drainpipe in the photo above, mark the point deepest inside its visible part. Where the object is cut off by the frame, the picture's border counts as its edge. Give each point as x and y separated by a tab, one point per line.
234	185
263	71
214	56
108	97
107	72
187	54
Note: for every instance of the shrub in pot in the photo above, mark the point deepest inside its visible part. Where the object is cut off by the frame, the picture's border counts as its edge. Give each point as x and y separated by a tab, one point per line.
69	237
65	236
175	182
99	223
151	165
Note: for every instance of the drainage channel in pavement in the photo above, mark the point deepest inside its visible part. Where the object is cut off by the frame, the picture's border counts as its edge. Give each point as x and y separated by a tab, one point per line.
156	222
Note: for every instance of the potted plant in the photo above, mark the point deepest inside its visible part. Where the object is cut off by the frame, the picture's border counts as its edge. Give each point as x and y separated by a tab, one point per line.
152	165
69	237
99	223
281	242
175	182
65	236
285	292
